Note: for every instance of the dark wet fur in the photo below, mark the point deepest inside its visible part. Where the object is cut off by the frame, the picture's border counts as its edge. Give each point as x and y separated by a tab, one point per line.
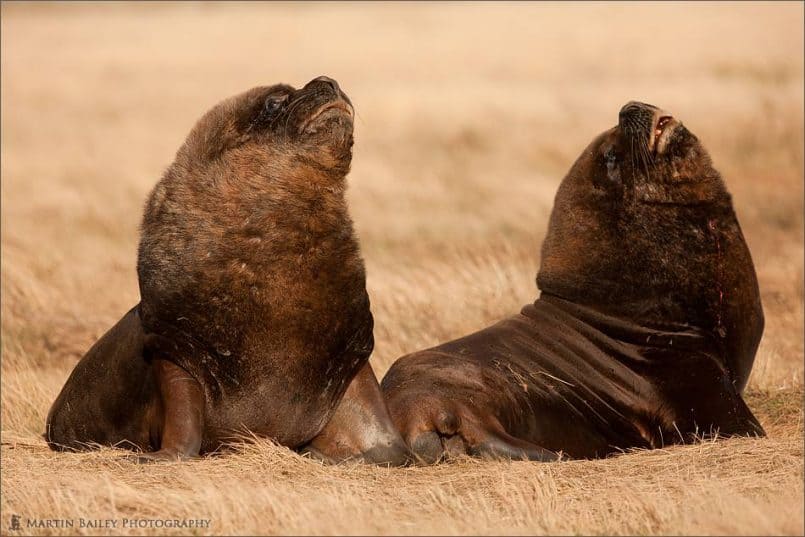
640	245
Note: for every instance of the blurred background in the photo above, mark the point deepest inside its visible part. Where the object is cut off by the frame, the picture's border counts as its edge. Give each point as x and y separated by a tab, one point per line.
469	114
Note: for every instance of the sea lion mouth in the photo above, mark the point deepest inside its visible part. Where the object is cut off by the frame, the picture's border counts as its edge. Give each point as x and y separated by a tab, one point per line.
661	133
647	124
338	106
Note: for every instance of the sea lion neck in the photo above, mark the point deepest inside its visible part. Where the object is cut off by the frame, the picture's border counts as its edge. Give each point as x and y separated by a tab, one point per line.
680	336
248	175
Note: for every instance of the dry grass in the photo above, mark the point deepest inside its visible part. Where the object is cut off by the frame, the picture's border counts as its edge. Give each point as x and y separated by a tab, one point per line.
468	117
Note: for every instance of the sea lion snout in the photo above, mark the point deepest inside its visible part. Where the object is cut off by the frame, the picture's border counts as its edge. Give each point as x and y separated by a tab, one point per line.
636	117
329	85
328	103
325	80
634	107
648	124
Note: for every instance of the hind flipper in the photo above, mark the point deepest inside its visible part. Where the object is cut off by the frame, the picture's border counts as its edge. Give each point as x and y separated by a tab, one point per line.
108	396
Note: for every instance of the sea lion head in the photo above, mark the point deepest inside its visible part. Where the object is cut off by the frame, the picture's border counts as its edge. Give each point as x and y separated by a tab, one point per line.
643	228
273	129
649	159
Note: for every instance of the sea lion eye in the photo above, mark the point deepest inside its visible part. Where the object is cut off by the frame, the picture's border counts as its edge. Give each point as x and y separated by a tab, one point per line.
274	103
613	170
271	107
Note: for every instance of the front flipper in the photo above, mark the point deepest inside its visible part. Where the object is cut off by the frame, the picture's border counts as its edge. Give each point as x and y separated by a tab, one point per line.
181	416
446	434
504	446
360	428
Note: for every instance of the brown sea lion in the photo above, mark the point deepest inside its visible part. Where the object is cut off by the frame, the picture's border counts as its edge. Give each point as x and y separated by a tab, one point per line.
254	316
645	330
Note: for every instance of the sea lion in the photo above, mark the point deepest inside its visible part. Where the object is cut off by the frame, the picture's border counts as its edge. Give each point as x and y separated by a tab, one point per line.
254	316
645	330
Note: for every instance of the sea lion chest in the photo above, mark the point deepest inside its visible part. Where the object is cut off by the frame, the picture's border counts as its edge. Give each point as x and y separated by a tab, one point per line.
260	296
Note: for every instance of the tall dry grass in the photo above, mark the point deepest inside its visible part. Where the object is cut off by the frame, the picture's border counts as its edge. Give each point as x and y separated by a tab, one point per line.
468	116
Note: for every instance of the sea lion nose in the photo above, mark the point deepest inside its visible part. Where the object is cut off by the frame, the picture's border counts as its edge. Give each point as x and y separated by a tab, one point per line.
634	110
327	80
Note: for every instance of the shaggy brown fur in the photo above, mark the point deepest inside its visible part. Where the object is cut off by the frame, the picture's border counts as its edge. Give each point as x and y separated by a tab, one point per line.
254	313
645	331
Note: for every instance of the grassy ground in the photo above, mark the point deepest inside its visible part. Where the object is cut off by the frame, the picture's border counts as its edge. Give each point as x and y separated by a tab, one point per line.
468	116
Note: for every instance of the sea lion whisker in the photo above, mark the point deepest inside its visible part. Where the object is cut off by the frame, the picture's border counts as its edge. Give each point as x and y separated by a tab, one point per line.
289	111
633	155
644	159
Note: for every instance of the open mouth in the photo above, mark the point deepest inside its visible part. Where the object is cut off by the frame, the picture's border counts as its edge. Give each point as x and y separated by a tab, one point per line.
663	127
332	107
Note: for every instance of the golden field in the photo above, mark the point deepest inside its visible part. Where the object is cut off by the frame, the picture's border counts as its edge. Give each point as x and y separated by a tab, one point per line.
468	117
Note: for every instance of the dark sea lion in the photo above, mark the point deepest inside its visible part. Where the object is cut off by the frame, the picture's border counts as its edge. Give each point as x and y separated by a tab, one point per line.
254	316
645	330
